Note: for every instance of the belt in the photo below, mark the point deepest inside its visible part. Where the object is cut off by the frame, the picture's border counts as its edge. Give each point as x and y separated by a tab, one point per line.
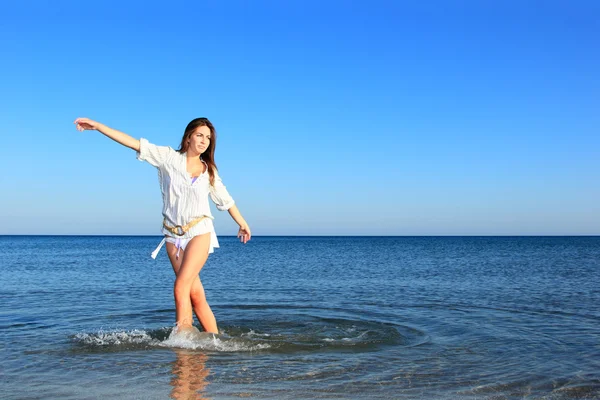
182	230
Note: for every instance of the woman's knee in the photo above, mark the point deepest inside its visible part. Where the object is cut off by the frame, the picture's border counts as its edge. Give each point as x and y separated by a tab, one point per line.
182	287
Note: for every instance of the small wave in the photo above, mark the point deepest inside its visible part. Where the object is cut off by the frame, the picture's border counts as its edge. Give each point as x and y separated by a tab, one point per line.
251	333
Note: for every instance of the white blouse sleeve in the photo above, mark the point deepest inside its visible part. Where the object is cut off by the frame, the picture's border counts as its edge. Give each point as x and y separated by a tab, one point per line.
153	154
219	194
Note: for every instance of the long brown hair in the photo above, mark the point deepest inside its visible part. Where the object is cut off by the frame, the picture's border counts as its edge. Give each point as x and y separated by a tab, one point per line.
209	154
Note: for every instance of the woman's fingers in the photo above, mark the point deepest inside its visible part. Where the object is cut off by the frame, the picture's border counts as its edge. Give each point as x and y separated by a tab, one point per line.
244	235
84	123
83	126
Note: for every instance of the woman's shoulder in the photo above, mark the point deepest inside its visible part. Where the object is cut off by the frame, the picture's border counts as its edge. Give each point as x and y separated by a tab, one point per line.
155	154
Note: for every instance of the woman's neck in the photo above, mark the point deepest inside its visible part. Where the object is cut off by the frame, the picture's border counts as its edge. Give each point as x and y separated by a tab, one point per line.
191	154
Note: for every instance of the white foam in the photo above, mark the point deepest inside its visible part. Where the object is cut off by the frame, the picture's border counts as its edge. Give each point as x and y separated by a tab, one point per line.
196	340
190	339
252	333
115	338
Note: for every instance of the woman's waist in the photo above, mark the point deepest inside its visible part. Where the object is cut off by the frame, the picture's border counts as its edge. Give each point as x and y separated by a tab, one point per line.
179	220
174	216
196	227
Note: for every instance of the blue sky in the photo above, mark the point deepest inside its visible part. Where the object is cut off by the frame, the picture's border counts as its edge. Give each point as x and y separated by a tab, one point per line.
334	118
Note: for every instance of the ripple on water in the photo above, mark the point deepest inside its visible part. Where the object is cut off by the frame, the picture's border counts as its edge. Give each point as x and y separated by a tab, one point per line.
294	333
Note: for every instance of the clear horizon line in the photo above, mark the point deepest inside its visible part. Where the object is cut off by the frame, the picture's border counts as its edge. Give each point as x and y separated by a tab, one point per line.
301	235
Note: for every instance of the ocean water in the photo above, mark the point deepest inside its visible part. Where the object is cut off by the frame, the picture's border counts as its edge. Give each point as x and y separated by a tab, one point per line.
87	317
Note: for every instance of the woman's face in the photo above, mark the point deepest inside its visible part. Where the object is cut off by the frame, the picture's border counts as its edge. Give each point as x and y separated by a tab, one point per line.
200	140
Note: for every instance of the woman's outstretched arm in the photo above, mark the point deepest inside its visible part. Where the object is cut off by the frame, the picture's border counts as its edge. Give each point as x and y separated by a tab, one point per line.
244	233
83	124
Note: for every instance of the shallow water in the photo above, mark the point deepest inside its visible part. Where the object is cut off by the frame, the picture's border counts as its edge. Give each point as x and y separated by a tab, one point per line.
305	317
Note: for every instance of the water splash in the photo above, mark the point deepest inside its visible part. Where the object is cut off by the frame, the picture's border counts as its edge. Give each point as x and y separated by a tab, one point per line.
120	340
193	339
116	338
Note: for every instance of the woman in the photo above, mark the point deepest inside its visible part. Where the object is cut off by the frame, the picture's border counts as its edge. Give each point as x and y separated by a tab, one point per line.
188	176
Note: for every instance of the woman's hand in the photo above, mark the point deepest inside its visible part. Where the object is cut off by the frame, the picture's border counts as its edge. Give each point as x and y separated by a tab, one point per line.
244	233
83	124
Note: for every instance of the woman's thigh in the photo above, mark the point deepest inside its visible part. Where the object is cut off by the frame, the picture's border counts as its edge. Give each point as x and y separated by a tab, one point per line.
172	253
194	257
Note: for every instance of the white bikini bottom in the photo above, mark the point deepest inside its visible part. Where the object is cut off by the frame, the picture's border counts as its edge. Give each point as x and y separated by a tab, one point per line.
181	244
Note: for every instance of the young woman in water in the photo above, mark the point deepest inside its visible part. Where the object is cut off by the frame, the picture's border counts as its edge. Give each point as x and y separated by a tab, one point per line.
188	176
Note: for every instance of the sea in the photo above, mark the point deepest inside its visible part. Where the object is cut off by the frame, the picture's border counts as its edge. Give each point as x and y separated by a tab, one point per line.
91	317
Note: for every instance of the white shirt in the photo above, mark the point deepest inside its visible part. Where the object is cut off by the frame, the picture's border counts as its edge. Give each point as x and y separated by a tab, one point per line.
183	201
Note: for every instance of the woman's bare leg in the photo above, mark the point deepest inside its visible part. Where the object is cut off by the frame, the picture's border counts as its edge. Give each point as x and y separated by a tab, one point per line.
202	309
189	291
176	264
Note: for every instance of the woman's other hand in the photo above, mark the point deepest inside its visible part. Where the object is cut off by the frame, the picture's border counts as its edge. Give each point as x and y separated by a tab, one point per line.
244	233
